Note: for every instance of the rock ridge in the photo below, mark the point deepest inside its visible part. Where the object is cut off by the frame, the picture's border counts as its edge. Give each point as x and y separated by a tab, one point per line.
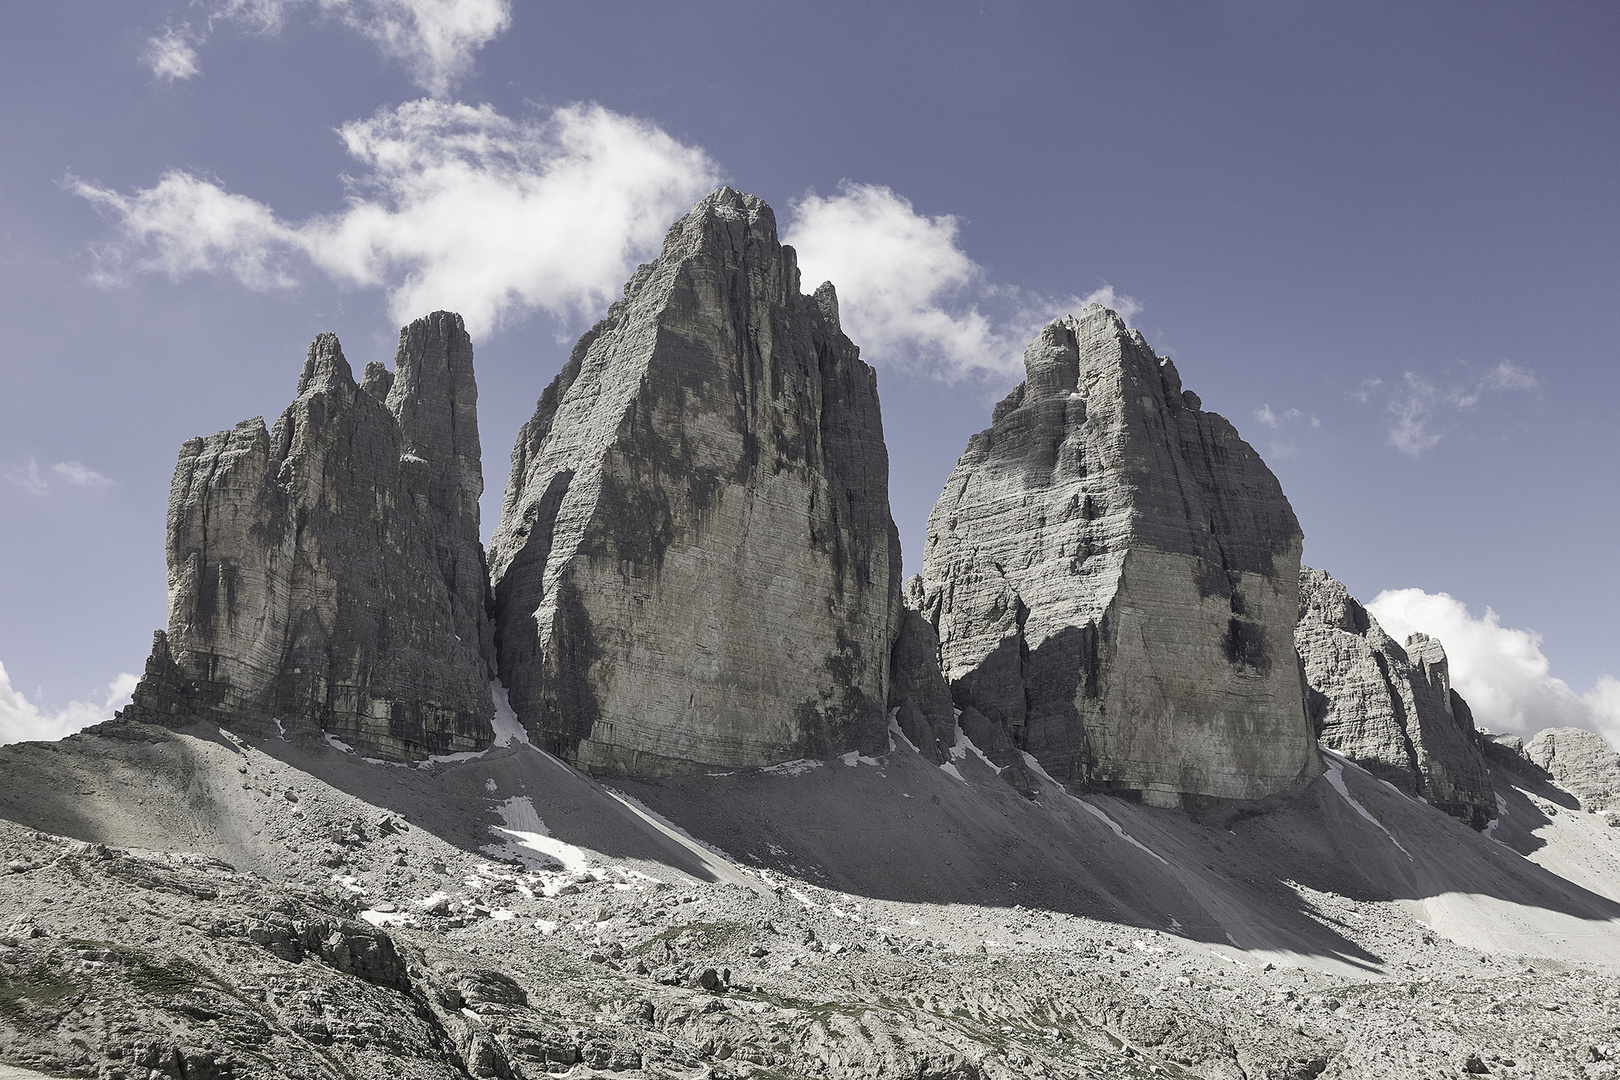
1389	708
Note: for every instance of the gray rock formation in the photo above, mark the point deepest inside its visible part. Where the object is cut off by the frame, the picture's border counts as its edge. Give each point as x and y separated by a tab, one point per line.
695	565
1389	708
330	570
1113	576
1580	762
919	697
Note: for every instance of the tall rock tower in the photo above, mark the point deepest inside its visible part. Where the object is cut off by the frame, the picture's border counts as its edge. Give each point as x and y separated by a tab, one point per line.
329	570
1113	574
695	566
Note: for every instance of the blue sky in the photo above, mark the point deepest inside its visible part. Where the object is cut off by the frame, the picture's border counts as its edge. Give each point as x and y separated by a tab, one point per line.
1379	238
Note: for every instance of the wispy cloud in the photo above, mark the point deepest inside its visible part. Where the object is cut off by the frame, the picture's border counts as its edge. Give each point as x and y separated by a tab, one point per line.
1273	419
171	55
38	481
1501	671
434	39
910	295
1417	409
460	208
21	720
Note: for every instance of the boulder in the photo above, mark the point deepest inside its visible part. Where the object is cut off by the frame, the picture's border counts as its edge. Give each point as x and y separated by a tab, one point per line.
1112	573
328	572
695	566
1389	708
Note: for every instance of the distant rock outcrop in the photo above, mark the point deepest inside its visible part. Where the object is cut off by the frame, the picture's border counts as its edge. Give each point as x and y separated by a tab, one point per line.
330	570
1113	575
1581	762
695	566
1390	709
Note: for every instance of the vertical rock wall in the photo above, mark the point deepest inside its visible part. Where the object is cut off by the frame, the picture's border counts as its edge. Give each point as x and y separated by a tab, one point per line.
329	570
695	565
1113	575
1390	709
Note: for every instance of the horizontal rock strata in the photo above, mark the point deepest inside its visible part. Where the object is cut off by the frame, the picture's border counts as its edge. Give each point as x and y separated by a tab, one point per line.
695	566
1112	572
1580	762
1389	708
330	570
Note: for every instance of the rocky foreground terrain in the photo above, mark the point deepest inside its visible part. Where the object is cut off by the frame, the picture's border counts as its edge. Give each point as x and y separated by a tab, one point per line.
201	904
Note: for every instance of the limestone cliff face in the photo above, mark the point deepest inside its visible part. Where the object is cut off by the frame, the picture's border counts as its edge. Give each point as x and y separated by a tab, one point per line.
1113	574
695	565
1580	762
330	570
1389	708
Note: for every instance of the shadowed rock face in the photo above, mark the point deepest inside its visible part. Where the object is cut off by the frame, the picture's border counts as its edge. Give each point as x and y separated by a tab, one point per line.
695	565
1390	709
1113	575
330	570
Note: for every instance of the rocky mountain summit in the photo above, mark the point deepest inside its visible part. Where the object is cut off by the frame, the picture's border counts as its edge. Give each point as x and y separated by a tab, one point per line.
695	566
328	571
1389	708
1112	574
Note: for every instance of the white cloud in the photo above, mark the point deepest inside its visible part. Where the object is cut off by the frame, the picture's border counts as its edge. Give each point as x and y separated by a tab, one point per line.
33	479
1502	672
76	474
171	55
21	720
460	208
1269	417
909	295
434	39
1417	408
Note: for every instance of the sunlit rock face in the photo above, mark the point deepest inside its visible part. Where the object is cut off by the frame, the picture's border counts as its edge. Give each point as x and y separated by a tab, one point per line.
1389	708
1113	575
695	566
329	570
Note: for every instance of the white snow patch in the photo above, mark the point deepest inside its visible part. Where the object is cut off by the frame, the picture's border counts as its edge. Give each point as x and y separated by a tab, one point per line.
964	745
281	730
792	768
490	785
896	733
1335	776
529	837
546	926
855	757
508	728
502	915
1501	812
348	883
385	918
337	743
429	901
1095	811
803	899
950	767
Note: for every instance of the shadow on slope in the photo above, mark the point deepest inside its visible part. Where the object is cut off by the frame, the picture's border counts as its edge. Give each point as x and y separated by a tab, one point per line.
897	829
